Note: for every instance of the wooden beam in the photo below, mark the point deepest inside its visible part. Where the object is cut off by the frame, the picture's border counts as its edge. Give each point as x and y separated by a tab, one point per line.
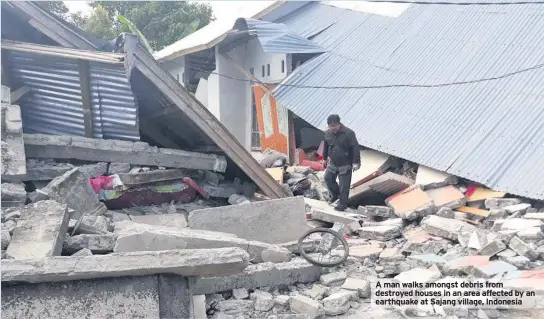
85	84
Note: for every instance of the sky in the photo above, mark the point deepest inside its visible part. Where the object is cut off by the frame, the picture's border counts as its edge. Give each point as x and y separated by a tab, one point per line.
221	9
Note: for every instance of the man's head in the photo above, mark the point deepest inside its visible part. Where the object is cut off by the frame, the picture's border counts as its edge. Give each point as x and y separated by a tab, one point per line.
334	123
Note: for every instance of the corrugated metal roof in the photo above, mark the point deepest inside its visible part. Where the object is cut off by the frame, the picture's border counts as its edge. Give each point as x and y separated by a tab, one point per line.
489	132
54	104
274	37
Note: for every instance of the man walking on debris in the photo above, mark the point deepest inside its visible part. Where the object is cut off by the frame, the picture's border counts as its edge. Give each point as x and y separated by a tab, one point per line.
341	157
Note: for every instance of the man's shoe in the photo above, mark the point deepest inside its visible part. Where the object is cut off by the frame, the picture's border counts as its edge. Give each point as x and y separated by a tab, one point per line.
340	207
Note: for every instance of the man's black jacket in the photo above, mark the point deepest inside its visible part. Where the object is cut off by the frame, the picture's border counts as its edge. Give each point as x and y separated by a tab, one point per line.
341	147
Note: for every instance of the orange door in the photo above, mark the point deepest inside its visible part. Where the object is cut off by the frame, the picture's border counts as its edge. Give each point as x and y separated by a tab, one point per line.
272	120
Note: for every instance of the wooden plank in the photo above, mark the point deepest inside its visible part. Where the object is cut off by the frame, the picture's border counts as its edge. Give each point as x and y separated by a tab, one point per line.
474	211
85	85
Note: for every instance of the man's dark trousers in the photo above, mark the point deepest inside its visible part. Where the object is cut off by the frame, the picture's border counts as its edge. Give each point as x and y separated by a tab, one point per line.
341	189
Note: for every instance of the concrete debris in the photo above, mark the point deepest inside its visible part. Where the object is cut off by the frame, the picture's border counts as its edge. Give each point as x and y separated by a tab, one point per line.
518	224
118	168
446	212
40	231
381	186
304	305
187	262
521	208
492	248
272	221
13	162
361	286
93	170
420	275
13	195
240	293
339	303
136	153
383	233
491	203
334	279
376	211
6	238
447	196
73	189
264	301
83	252
523	249
98	244
140	237
430	178
444	227
169	220
411	203
97	225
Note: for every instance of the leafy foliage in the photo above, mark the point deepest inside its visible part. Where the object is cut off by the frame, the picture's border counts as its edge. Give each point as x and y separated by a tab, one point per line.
160	22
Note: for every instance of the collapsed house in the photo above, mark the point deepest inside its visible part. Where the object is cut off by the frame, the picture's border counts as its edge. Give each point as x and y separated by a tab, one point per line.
122	196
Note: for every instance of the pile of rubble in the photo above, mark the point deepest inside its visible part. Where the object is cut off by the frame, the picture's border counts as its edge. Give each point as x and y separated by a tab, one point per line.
80	210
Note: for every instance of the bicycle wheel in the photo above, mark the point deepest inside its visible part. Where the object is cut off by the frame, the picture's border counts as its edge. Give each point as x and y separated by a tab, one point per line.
323	258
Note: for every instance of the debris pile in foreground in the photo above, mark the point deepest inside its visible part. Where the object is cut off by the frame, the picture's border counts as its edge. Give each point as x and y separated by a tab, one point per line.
90	212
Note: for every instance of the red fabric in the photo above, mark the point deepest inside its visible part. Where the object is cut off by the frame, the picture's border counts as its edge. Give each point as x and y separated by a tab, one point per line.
316	166
101	182
470	190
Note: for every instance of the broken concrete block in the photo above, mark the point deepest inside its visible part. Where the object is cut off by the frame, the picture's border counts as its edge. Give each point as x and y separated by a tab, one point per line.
523	249
361	286
271	221
187	262
520	262
282	300
304	305
9	226
362	252
318	291
330	216
446	212
136	153
97	225
492	248
338	303
236	199
73	189
13	195
264	301
463	265
539	216
383	233
240	293
431	178
491	203
391	255
444	227
334	279
420	275
532	234
98	244
519	224
507	253
411	203
491	269
518	208
118	168
496	214
199	307
141	237
376	211
276	255
6	238
40	231
168	220
447	196
477	240
428	259
93	170
261	275
13	152
383	185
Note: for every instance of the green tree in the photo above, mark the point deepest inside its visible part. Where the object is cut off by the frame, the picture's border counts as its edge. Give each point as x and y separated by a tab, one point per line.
161	22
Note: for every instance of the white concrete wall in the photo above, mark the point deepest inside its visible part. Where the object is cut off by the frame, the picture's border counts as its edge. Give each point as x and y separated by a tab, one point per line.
202	91
213	95
234	96
176	67
257	59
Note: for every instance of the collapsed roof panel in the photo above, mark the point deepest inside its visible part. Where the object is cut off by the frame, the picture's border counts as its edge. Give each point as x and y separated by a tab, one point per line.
64	82
201	122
